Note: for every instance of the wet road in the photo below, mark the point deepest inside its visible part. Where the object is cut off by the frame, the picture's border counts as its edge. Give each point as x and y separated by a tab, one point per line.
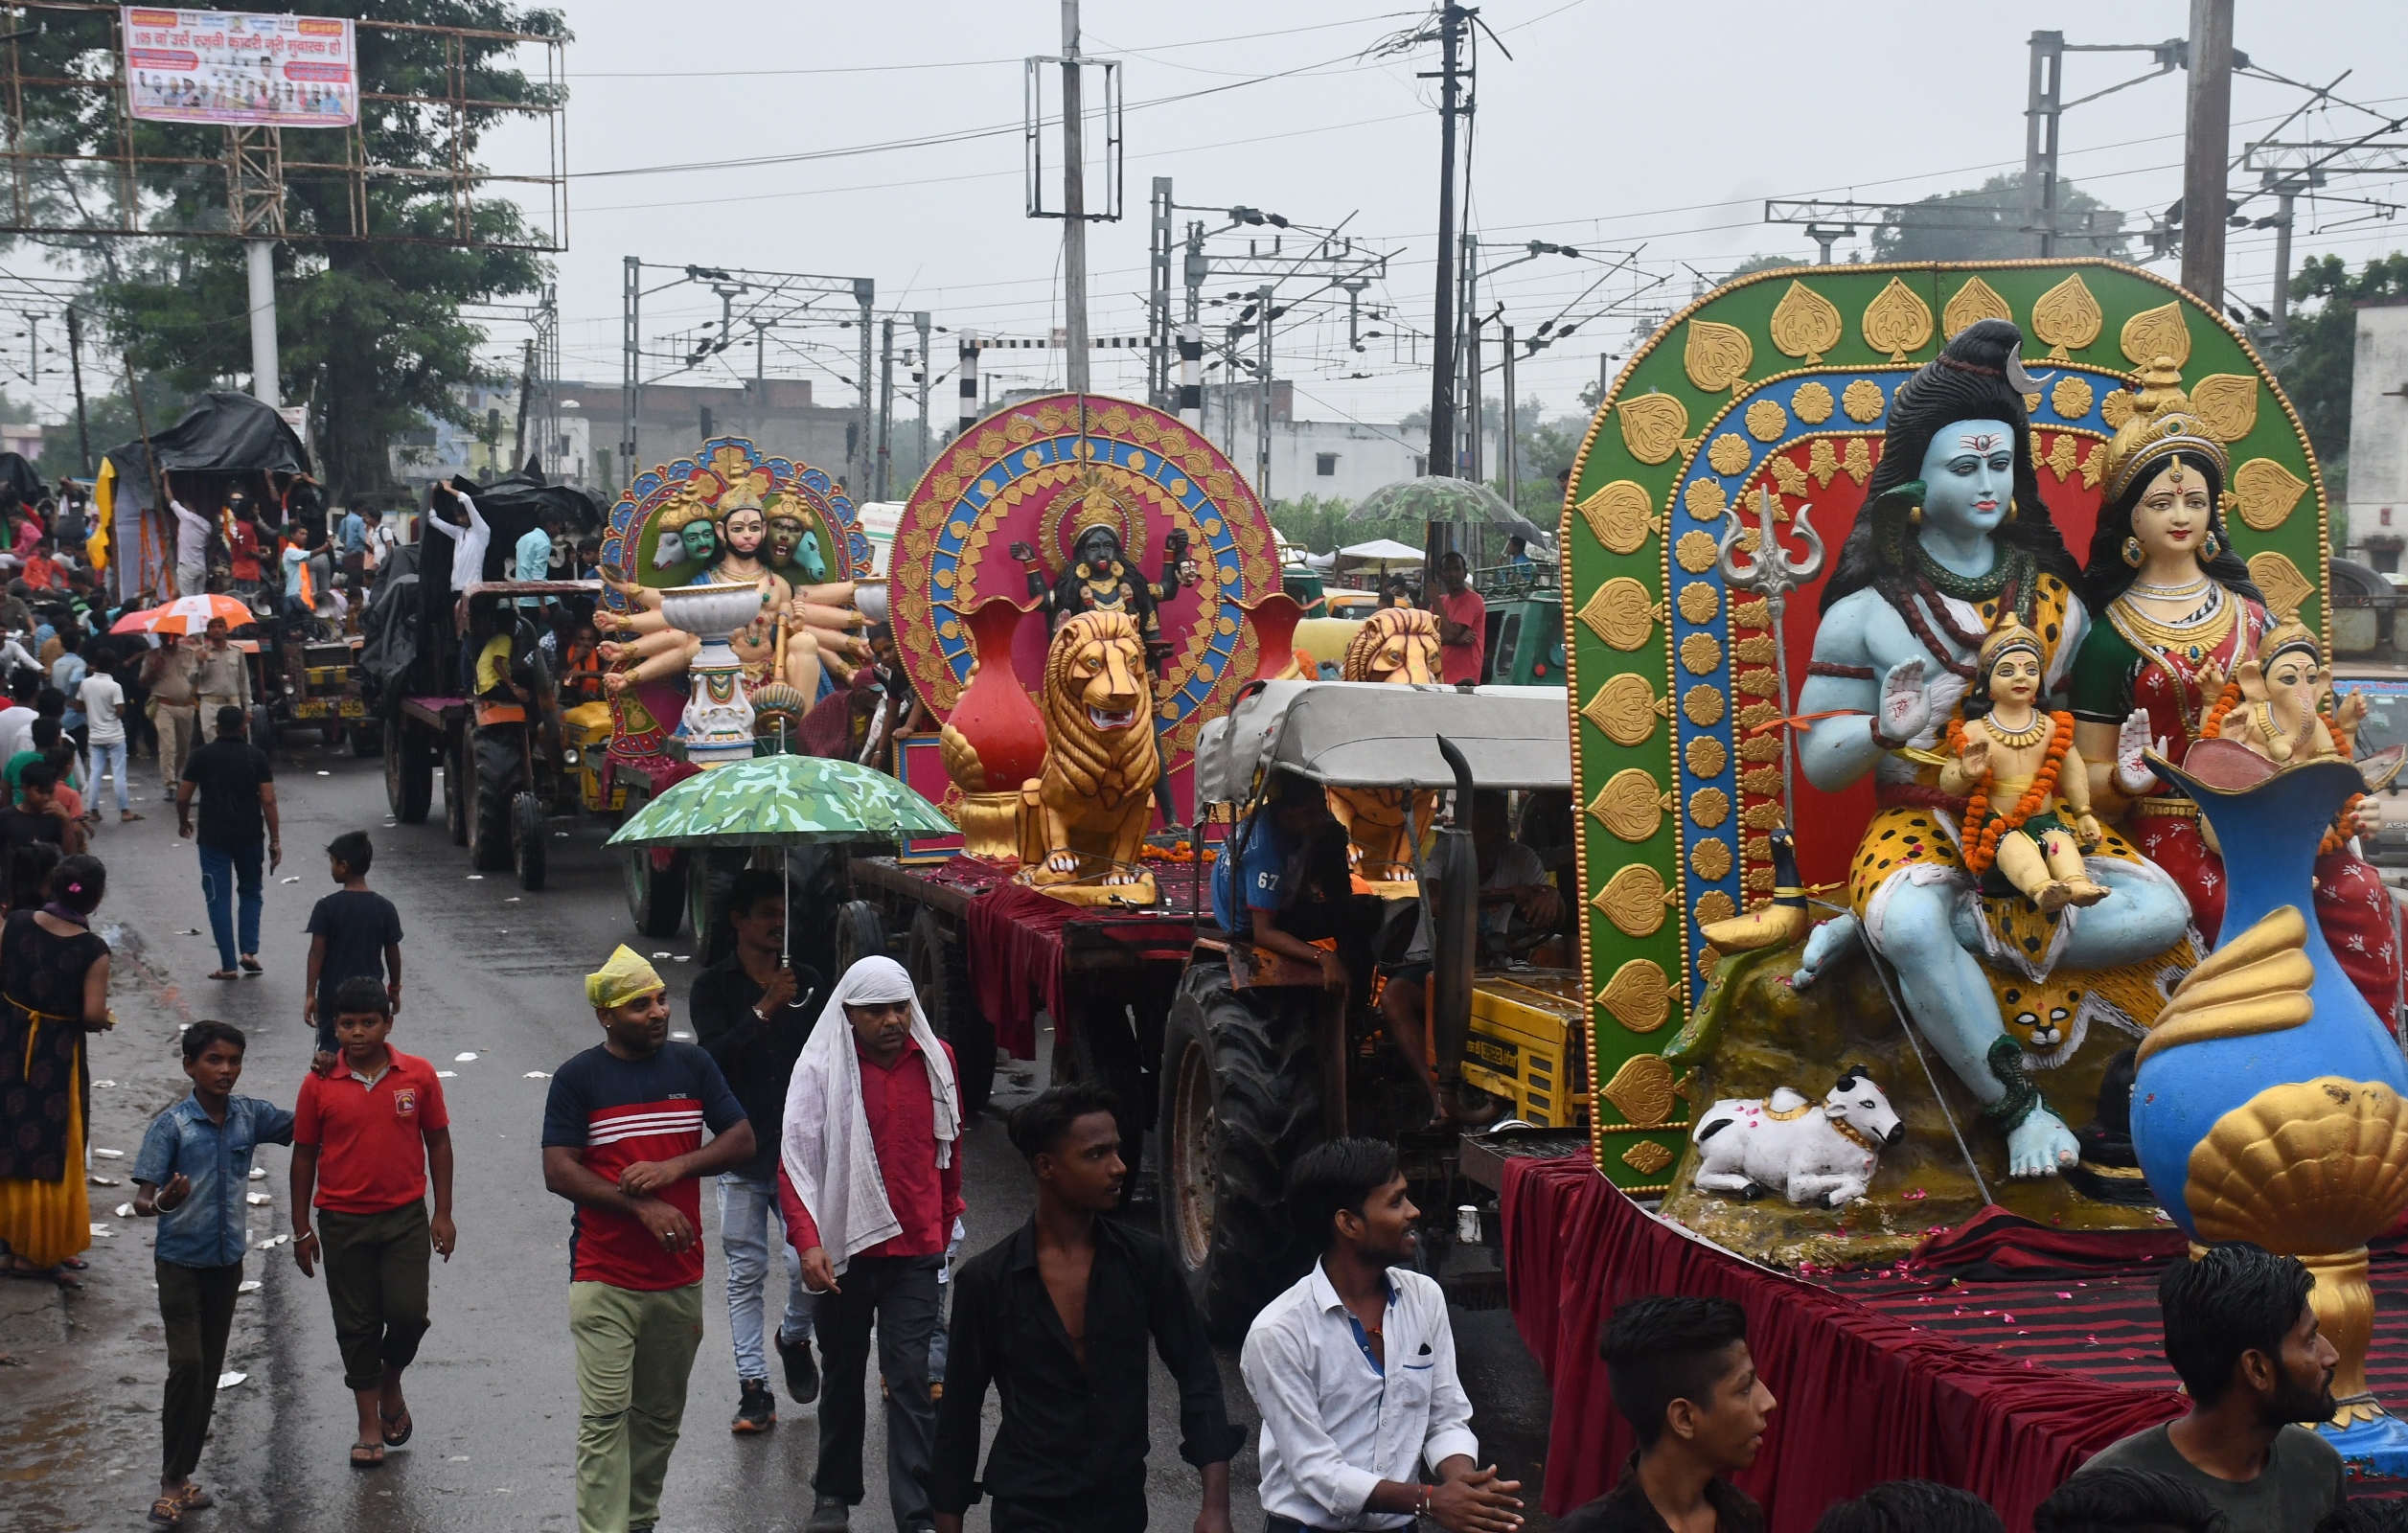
494	973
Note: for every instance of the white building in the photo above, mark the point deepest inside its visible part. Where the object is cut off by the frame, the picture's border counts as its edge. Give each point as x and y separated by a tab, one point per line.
1331	459
2378	504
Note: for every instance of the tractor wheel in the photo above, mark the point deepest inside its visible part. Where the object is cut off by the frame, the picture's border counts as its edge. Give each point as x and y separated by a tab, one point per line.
1241	1099
656	896
409	772
940	971
860	934
494	761
530	837
459	792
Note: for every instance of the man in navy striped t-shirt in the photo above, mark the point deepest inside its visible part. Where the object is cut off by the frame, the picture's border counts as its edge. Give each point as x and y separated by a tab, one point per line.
623	1141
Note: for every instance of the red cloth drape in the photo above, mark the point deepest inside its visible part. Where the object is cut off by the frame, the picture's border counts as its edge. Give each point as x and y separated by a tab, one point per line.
1014	940
1864	1397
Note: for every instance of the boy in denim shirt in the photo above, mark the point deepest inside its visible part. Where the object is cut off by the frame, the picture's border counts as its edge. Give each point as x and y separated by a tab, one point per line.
191	1174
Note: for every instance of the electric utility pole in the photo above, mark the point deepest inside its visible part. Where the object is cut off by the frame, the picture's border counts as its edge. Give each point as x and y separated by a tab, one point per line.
2206	134
1452	21
927	367
1074	205
74	367
887	410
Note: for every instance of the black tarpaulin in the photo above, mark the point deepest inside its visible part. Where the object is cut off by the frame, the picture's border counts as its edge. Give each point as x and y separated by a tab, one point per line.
225	433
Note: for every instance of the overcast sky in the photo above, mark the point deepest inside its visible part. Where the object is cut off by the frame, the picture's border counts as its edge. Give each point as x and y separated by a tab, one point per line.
1614	126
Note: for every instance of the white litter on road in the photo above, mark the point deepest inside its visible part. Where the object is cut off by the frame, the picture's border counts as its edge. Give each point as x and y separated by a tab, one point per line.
273	1241
463	1059
102	1086
325	774
100	1231
447	1075
110	1154
250	1285
98	1180
539	1075
477	878
259	1173
686	1038
125	1210
227	1381
259	1199
295	878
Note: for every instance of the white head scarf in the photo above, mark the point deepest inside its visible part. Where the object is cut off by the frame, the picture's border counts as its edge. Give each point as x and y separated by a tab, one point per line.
825	1145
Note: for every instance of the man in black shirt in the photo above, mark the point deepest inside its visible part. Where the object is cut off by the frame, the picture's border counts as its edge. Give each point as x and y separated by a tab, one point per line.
1681	1375
238	812
1057	1315
751	1014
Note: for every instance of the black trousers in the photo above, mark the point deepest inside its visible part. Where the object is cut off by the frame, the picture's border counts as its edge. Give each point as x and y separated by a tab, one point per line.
197	1307
1112	1511
899	1294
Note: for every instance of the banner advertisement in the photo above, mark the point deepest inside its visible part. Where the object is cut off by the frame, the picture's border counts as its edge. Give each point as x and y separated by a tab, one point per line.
239	69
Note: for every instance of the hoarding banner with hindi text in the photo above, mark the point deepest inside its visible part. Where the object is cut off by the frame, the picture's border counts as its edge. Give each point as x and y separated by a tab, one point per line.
240	68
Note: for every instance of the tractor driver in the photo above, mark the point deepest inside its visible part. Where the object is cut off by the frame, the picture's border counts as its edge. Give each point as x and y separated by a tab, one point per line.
1290	856
1512	881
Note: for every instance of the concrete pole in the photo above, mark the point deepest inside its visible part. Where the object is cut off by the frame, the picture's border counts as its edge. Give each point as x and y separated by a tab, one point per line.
1073	205
886	411
259	256
2281	306
1477	473
1512	467
1443	336
2206	142
2042	114
864	290
969	371
928	370
1191	376
1262	396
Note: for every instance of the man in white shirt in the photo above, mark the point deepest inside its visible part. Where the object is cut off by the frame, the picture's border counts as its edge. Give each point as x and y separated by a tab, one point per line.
101	698
192	549
1353	1369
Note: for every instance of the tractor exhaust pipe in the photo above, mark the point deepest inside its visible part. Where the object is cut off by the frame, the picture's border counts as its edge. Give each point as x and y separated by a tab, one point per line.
1454	906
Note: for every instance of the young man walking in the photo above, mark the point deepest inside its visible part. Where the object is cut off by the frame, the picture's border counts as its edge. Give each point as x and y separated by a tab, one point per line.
1058	1316
1353	1368
1682	1378
354	933
191	1174
870	1184
751	1014
237	788
2243	1338
623	1141
368	1138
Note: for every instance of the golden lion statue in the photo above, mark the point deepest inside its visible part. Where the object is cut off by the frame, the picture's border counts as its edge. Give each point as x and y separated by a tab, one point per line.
1083	823
1397	646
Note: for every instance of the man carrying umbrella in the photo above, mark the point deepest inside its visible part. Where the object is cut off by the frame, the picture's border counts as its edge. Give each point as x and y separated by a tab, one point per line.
223	677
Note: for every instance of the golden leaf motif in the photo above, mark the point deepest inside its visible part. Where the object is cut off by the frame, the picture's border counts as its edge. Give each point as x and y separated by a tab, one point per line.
1633	900
2031	404
1766	420
1646	1156
1705	500
2227	404
2067	317
1764	782
2094	465
2281	582
1789	477
2155	333
1763	818
1714	906
1756	715
990	442
1706	756
2265	491
1631	805
2064	456
1805	324
1861	402
1021	429
1897	321
1619	613
1641	1091
1700	600
1761	748
1653	425
1709	807
1706	959
1639	995
1756	881
1703	706
1812	403
1619	514
1822	461
1759	849
1701	654
1626	708
1859	461
1756	650
1031	458
1729	453
1710	858
2070	398
1718	354
1750	613
2117	408
1976	301
1759	682
1695	552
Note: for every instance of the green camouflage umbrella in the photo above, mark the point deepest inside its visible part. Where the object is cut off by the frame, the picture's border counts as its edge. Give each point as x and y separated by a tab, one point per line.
1460	502
782	801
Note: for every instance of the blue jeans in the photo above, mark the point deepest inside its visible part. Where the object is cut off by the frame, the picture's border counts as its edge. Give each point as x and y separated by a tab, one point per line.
749	1221
108	759
225	870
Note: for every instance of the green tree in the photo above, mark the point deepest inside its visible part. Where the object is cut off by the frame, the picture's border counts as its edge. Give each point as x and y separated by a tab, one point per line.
368	331
2317	355
1986	223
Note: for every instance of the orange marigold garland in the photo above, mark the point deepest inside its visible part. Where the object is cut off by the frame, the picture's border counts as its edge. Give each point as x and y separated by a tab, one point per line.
2225	703
1983	828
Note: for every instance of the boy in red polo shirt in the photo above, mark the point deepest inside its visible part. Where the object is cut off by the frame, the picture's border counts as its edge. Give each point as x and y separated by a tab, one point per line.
367	1137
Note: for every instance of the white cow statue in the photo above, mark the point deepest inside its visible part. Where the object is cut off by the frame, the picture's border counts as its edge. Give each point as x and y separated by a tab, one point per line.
1814	1153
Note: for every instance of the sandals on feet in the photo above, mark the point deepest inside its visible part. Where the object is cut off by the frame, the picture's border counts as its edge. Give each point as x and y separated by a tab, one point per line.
167	1511
223	974
367	1456
194	1499
396	1428
252	965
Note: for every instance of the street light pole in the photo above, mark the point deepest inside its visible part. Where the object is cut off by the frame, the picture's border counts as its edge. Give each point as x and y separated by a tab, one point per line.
1443	336
2207	138
1073	205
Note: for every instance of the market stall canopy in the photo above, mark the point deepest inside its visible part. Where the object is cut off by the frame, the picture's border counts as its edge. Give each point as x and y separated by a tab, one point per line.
1360	734
1462	502
224	433
1380	553
782	801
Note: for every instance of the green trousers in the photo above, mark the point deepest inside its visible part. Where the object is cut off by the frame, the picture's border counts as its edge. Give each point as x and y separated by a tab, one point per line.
376	1278
635	1350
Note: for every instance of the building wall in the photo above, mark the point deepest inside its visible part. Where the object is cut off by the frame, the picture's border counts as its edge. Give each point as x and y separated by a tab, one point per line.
2377	503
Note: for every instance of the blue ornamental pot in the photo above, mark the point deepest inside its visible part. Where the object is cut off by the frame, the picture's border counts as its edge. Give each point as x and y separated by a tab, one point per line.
2270	1104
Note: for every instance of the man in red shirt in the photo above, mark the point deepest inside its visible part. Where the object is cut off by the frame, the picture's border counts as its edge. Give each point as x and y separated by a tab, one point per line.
869	1181
365	1136
1462	623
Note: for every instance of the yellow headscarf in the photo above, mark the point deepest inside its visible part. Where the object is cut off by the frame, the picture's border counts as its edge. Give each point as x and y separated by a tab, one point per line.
622	979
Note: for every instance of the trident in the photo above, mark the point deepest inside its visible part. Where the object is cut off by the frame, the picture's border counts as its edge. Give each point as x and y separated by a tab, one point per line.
1772	573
